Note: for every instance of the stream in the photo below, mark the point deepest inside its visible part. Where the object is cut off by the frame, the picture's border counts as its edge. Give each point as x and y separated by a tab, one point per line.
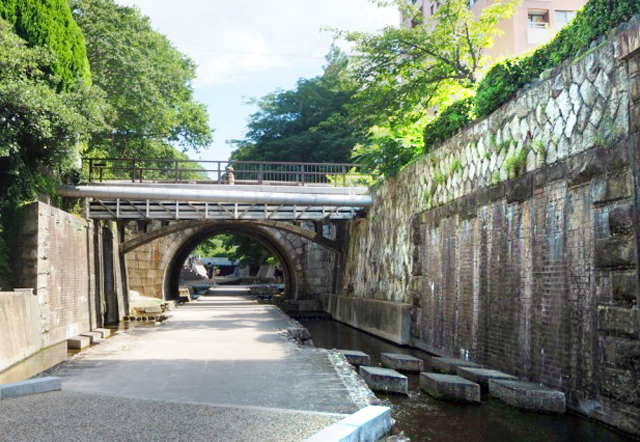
423	418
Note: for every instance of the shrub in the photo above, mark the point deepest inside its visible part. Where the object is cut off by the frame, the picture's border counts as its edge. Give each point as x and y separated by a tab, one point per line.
450	120
507	76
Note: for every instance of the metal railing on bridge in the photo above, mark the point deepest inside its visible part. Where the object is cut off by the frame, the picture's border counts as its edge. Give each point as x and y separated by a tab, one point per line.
224	172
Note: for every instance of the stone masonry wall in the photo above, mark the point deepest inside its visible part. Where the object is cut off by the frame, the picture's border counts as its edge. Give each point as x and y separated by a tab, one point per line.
62	257
516	242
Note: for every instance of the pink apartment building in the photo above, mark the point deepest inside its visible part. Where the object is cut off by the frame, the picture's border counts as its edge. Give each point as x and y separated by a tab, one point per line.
534	23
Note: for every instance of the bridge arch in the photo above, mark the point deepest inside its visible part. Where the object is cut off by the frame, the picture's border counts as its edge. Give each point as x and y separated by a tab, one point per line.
155	251
266	238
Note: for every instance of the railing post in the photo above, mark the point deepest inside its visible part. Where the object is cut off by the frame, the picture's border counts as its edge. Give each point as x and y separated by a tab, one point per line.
303	168
260	173
344	176
176	173
90	170
219	173
133	171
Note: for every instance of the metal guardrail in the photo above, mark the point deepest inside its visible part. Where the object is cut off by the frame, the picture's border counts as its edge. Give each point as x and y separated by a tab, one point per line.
222	172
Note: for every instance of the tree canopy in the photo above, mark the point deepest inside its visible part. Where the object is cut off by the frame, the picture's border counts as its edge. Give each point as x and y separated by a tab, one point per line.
49	23
404	71
304	124
147	81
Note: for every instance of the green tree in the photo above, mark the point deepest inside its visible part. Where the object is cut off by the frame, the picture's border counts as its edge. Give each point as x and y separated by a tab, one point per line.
40	127
304	124
49	23
148	83
407	70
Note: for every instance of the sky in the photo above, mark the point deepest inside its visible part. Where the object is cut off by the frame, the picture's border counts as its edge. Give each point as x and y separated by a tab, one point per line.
249	48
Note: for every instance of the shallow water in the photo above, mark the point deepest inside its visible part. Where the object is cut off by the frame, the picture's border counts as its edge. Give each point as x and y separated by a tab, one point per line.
35	364
423	418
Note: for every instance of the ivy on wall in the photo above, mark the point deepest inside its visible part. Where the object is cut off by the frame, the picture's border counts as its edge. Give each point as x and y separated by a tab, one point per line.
505	77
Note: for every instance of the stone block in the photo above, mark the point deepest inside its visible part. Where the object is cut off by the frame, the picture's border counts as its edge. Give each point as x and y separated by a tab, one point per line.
31	386
528	395
402	362
619	320
385	380
355	357
450	365
621	220
625	287
78	342
105	332
615	252
450	387
628	43
482	376
94	337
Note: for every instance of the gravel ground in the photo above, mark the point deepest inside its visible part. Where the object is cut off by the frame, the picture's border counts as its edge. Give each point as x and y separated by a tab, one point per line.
71	416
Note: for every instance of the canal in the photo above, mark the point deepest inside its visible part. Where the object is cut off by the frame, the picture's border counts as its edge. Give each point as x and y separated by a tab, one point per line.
423	418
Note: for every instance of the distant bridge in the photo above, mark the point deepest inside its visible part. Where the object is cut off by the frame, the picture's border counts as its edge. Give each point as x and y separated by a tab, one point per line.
157	189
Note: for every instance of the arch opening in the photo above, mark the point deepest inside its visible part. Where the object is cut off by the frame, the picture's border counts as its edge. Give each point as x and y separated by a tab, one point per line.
172	273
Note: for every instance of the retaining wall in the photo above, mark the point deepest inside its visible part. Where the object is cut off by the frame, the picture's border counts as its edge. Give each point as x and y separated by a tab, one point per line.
516	242
75	275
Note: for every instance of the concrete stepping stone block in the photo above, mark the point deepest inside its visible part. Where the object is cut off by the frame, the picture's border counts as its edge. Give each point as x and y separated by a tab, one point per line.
481	376
78	342
31	386
95	337
528	395
402	362
450	387
450	365
104	331
356	357
385	380
369	424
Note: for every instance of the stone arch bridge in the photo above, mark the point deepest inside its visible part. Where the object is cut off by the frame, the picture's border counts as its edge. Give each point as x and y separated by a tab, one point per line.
163	211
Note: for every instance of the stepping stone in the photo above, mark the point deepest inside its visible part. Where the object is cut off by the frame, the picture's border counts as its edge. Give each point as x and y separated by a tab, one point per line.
385	380
94	336
31	386
528	395
482	376
104	331
450	387
355	357
402	362
78	342
450	365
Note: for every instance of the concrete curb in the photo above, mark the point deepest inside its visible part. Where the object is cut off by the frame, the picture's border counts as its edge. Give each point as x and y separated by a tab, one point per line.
367	425
32	386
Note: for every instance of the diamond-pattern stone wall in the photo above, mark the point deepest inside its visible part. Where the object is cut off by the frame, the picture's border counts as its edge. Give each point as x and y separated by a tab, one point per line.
516	241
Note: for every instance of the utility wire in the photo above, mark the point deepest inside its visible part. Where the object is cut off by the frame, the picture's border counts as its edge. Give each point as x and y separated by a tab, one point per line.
199	48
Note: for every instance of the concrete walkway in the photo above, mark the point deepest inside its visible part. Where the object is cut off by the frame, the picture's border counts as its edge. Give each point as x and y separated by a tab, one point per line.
220	368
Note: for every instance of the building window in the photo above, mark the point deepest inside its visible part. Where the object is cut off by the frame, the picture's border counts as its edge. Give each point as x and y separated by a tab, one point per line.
563	18
538	20
433	9
472	2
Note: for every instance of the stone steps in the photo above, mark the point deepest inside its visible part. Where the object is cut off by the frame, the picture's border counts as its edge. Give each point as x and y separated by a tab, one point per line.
450	387
450	365
402	362
384	380
528	395
355	357
482	376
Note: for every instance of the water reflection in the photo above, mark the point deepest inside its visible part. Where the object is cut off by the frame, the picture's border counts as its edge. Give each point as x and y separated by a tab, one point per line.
35	364
423	418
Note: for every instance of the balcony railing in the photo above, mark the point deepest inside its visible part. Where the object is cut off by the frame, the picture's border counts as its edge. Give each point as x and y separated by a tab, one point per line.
223	172
539	33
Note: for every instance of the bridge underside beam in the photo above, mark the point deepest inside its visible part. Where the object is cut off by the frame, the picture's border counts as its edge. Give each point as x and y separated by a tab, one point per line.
124	209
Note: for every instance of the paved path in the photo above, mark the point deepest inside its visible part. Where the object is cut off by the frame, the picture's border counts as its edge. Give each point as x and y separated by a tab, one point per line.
224	353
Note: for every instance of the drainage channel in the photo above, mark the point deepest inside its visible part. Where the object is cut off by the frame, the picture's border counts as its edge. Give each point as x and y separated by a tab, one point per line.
423	418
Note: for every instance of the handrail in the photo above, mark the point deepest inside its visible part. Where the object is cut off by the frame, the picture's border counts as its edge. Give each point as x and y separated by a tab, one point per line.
221	172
